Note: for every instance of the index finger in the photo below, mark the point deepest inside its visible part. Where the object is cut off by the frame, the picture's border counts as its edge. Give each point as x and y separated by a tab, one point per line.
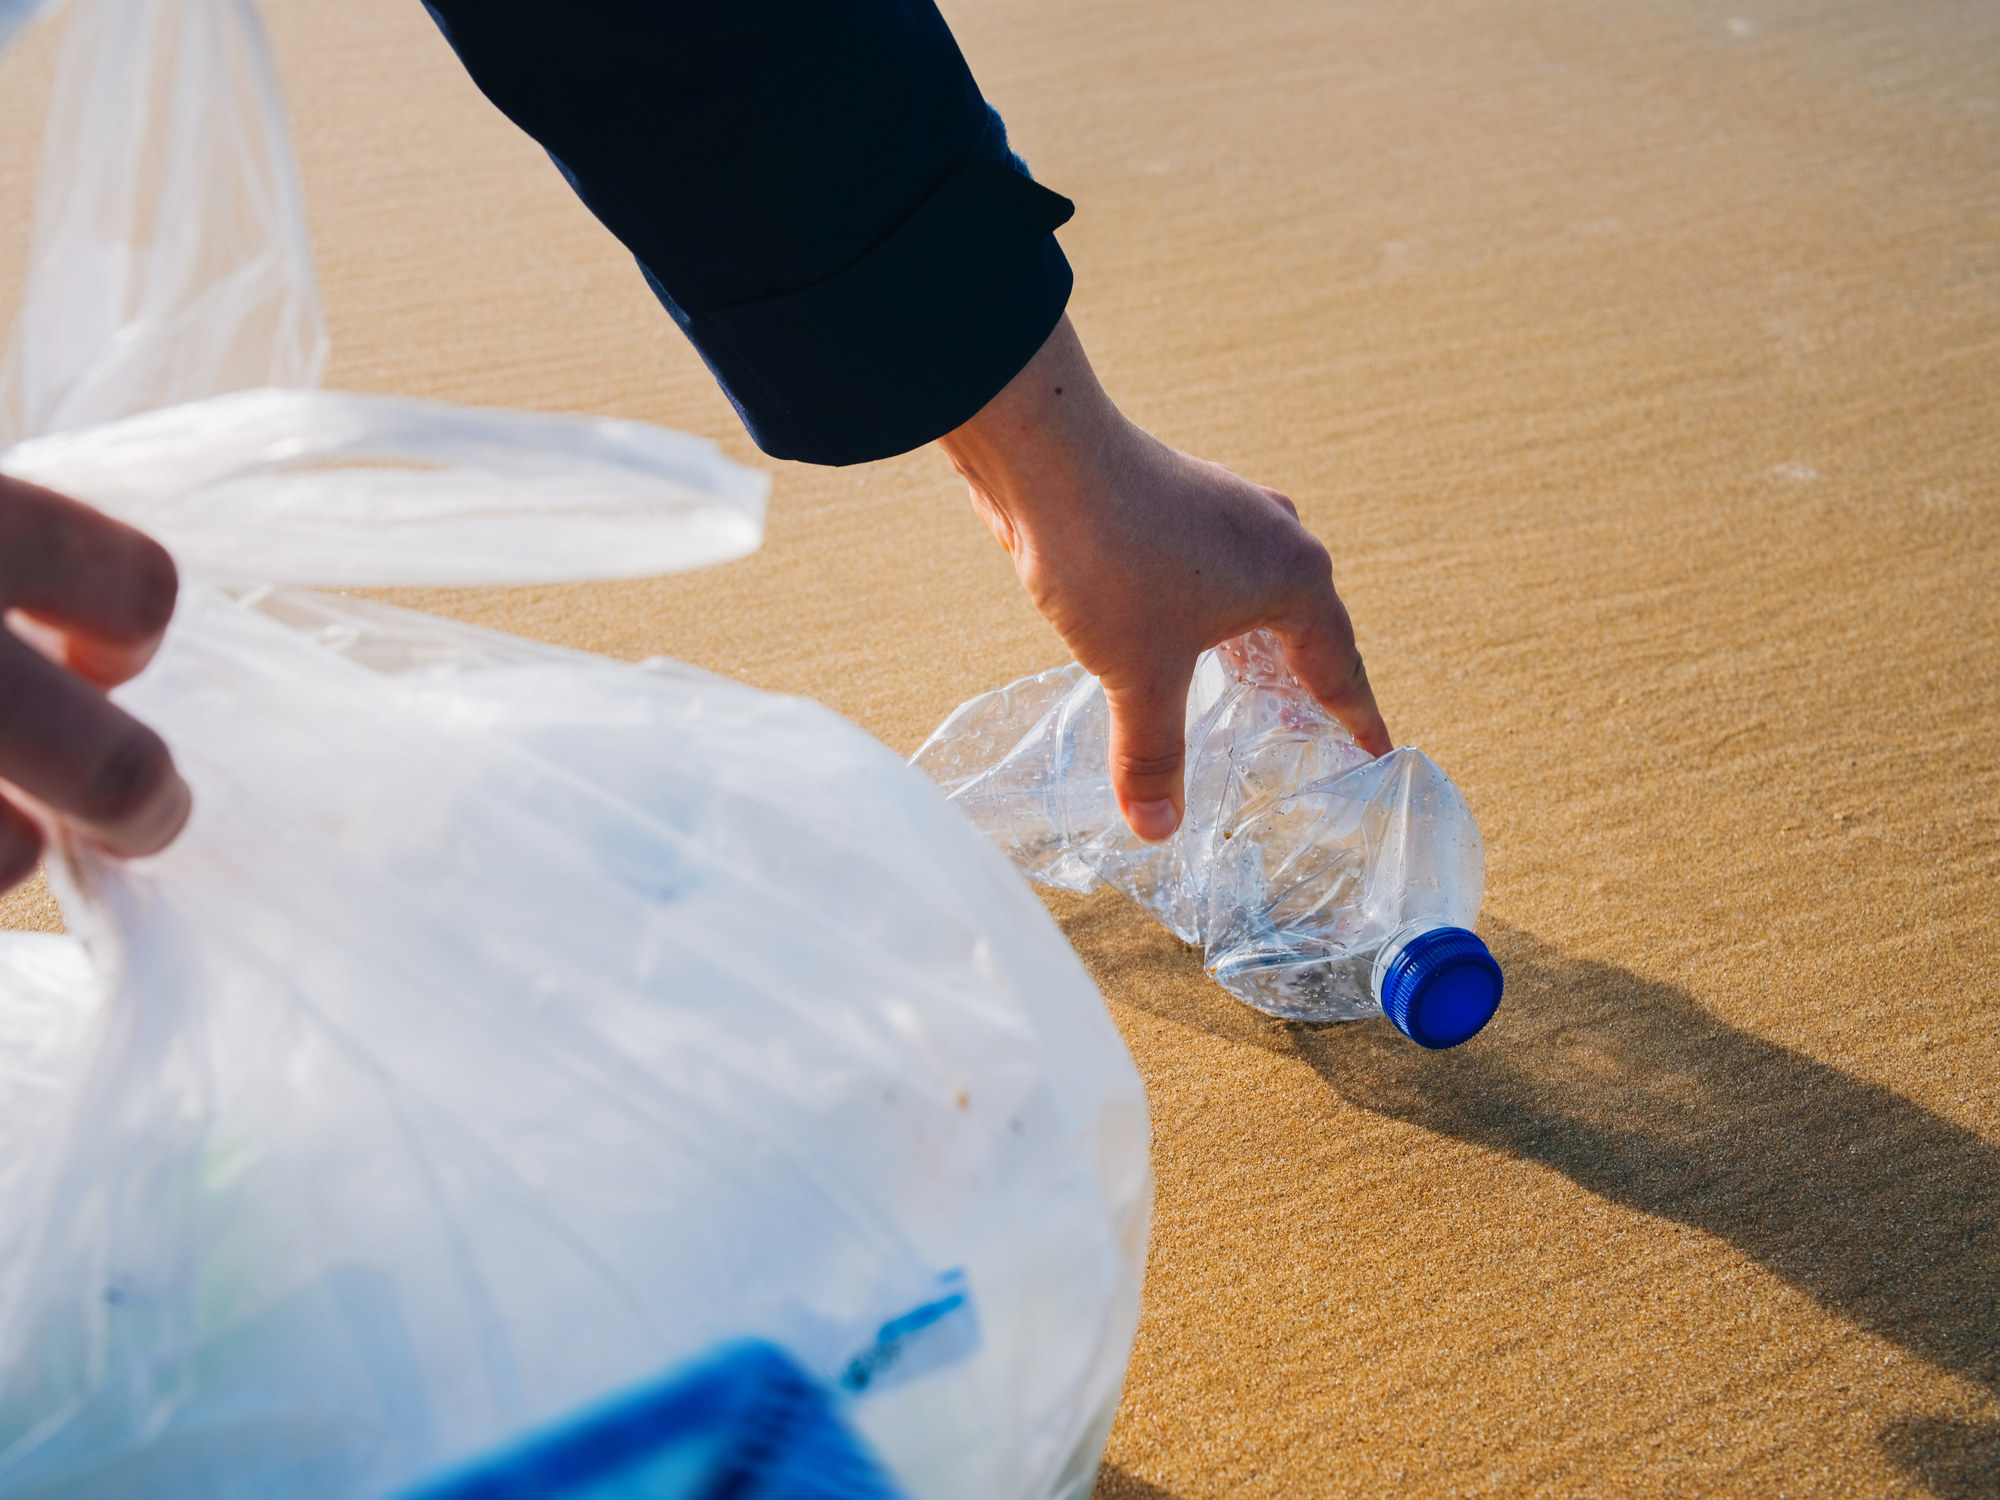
1321	652
65	744
109	587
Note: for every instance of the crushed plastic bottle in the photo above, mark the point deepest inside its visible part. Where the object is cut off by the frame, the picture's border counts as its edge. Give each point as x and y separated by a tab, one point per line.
1324	884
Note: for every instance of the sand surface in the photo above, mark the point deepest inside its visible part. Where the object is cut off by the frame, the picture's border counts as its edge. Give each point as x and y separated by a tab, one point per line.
1639	364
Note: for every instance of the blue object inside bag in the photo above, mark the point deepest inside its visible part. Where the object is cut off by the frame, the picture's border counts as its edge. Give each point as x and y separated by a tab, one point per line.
745	1422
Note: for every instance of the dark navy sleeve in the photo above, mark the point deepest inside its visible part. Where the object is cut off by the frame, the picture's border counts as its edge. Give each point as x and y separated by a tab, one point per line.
815	190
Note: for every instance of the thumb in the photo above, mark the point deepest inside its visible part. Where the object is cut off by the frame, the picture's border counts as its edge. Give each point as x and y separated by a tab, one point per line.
1148	744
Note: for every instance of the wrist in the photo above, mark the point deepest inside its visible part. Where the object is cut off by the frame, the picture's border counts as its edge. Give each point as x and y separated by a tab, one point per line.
1030	453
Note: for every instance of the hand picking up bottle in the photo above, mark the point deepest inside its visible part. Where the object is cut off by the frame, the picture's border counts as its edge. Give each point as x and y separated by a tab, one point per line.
1323	883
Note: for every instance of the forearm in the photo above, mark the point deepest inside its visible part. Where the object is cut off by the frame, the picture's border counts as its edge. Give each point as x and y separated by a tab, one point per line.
818	193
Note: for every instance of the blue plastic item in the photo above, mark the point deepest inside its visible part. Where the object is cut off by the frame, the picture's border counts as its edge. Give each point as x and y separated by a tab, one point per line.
743	1423
1441	987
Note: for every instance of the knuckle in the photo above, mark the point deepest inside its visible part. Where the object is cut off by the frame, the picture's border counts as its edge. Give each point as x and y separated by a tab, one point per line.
1352	689
1130	765
127	780
1307	560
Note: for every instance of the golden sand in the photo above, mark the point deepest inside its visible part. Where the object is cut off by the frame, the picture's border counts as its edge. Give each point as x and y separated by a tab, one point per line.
1639	364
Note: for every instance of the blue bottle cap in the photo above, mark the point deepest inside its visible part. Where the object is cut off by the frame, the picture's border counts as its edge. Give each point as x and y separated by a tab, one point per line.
1442	987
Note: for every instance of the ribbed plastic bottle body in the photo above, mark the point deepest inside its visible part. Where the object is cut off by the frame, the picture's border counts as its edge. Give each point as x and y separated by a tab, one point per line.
1300	855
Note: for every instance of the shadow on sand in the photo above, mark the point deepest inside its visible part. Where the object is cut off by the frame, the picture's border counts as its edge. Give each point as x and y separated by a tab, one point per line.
1881	1210
1116	1484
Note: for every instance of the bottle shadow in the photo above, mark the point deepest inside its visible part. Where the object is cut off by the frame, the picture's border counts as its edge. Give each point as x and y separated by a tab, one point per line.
1953	1459
1114	1483
1879	1209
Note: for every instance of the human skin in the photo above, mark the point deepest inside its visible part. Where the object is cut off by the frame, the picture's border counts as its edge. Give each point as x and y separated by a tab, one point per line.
86	600
1142	558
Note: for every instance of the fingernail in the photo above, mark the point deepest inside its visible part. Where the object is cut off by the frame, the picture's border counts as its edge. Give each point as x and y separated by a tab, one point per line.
1153	821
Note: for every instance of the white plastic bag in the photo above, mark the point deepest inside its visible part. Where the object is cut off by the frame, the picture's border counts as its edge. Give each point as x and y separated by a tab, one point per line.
510	1025
328	487
137	299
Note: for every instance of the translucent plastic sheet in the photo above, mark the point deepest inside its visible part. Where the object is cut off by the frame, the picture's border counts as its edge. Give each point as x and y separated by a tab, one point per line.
1300	857
328	488
509	1026
134	301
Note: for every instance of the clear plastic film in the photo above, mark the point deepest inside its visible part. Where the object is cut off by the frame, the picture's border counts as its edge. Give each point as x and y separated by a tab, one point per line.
169	258
509	1025
325	487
